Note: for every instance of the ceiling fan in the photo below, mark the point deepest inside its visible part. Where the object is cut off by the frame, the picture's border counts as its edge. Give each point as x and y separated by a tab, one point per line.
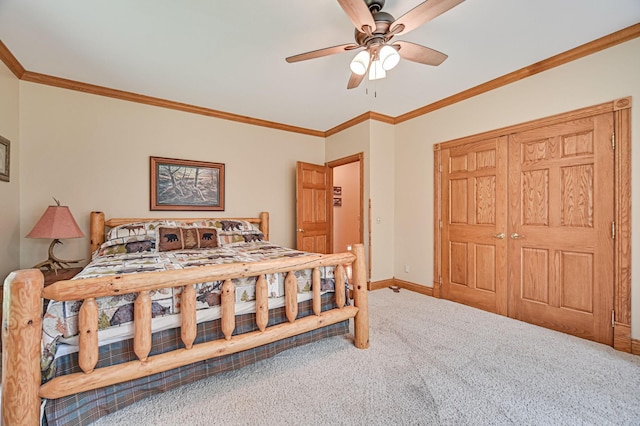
374	31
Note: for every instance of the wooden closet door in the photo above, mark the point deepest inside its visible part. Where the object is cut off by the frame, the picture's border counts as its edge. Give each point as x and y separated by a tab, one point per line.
474	243
560	227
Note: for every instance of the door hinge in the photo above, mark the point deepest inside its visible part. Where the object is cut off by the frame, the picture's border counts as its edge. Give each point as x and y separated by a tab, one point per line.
441	224
613	230
613	140
613	318
440	167
440	280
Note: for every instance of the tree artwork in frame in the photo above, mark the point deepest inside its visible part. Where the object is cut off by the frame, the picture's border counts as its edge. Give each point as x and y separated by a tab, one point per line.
186	185
5	157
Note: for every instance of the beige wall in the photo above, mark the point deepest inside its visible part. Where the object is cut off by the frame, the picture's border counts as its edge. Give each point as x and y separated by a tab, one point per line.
92	153
382	180
598	78
376	141
10	191
352	141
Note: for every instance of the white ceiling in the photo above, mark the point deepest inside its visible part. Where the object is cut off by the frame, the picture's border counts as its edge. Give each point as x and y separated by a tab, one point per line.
230	55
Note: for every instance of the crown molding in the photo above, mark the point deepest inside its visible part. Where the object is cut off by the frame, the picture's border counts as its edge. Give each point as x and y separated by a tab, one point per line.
10	61
597	45
359	119
63	83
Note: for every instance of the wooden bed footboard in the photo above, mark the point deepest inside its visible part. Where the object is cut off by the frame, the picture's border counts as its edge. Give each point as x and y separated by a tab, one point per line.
22	323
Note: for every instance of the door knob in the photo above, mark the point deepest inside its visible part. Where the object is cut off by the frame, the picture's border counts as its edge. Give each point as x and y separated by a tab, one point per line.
516	236
300	230
500	236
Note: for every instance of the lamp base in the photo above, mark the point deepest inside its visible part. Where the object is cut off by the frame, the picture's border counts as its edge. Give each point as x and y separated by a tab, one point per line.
53	263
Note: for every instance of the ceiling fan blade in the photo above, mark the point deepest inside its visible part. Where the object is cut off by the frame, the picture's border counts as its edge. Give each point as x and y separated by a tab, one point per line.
359	14
421	54
355	80
422	13
322	52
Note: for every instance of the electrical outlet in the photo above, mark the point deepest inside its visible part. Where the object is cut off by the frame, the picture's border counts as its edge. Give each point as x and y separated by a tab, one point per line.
407	268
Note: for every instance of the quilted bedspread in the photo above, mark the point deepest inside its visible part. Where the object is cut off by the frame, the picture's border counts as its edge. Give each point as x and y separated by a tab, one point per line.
60	322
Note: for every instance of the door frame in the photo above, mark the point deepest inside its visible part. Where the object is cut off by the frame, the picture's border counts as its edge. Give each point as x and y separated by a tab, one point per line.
359	157
621	109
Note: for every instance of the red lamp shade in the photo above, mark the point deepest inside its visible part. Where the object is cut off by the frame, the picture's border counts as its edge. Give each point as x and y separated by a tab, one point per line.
57	222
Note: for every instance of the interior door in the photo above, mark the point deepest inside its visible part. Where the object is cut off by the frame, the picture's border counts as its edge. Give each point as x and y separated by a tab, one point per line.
560	234
314	191
474	244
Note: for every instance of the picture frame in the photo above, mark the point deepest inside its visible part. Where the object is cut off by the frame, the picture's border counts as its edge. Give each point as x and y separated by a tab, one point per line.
337	202
5	159
186	185
337	191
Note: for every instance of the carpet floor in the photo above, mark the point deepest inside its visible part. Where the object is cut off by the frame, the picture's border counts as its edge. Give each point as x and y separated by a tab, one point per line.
431	362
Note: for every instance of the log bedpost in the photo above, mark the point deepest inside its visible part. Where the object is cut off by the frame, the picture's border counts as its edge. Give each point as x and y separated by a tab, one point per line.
291	296
262	303
315	287
88	335
264	224
142	325
21	340
188	330
361	320
96	232
339	286
228	303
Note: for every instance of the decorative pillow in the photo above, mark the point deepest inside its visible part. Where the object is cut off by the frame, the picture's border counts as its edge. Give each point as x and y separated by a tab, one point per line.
225	238
138	229
238	231
188	237
132	244
230	231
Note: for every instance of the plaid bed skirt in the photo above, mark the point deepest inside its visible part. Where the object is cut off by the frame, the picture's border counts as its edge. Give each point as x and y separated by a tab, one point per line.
87	407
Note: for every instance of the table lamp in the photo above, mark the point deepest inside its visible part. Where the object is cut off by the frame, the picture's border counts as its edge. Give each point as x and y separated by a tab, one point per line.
57	222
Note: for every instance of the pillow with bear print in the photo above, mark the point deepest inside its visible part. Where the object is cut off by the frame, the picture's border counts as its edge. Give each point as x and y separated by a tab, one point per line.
137	229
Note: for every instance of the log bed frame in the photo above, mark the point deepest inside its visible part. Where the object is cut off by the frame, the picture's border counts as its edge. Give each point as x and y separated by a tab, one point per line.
23	305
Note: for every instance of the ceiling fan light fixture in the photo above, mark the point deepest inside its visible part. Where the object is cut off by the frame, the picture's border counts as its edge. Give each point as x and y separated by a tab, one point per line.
360	63
376	71
389	57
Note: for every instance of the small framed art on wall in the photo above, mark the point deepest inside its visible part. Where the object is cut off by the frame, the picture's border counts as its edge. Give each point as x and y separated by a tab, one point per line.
5	159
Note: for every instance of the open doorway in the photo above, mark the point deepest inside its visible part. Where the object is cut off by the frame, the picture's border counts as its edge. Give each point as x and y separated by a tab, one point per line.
316	204
347	202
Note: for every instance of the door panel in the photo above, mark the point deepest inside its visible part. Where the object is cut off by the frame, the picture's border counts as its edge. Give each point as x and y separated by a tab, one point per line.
549	192
560	218
313	184
474	224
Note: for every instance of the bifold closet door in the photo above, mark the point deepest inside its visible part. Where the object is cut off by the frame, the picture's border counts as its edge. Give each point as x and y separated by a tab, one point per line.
560	227
474	241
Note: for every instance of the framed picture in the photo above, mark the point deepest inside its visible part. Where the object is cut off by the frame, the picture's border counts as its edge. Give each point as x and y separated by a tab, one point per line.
186	185
5	158
337	202
337	191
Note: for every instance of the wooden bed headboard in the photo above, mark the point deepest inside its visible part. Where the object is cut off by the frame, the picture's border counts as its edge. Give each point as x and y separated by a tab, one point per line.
99	224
